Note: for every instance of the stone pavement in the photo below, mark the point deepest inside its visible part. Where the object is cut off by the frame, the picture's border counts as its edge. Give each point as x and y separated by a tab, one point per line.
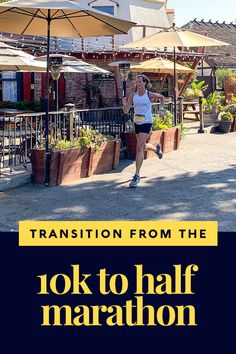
197	182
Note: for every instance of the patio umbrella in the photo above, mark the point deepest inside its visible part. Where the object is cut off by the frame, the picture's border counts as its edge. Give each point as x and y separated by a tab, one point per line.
6	49
17	63
71	64
83	69
12	59
159	65
57	18
174	37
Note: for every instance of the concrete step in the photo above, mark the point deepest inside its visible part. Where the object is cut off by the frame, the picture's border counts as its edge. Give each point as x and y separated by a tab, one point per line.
12	179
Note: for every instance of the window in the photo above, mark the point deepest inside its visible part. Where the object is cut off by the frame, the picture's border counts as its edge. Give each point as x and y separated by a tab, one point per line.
107	9
8	83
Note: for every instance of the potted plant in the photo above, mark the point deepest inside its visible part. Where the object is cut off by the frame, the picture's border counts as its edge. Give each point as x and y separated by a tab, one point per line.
195	90
163	132
211	107
225	121
232	109
90	153
189	94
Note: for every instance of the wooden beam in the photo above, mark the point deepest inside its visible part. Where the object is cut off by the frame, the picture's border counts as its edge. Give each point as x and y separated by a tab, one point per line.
201	50
188	76
162	81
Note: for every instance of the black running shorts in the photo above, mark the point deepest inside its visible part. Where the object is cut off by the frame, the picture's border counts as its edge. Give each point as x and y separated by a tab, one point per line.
142	128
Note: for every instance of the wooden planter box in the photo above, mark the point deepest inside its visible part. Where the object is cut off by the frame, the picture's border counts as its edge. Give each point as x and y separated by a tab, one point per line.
156	137
169	139
130	140
70	165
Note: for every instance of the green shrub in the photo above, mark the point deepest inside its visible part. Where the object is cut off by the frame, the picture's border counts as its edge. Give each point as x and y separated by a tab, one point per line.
195	90
84	141
22	105
162	123
226	117
7	104
213	103
189	93
88	138
231	108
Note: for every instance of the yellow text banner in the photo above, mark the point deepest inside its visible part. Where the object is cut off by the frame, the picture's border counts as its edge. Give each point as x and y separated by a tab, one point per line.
118	233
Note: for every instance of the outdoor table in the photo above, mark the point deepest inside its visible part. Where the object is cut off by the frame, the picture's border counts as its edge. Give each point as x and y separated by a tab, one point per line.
191	108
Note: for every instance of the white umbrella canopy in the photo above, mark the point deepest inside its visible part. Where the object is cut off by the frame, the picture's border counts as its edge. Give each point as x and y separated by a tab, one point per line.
57	18
65	59
20	63
12	59
77	62
159	65
84	69
8	50
75	19
71	64
174	38
74	65
77	66
5	46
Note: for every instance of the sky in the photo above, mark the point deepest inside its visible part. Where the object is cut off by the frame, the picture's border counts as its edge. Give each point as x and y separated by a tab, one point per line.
187	10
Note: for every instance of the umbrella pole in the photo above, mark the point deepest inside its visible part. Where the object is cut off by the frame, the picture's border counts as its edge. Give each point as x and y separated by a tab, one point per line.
46	177
175	94
56	88
124	88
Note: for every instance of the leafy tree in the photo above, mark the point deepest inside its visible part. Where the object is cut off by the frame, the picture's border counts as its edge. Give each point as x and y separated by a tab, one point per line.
221	74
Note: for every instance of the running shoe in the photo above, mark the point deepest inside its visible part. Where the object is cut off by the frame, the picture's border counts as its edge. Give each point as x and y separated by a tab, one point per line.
135	181
159	151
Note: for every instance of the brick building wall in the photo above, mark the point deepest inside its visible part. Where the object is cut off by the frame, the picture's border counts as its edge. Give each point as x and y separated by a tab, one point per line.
111	90
74	84
37	86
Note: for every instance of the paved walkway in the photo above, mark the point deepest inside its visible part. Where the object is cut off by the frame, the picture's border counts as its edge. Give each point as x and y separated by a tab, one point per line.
197	182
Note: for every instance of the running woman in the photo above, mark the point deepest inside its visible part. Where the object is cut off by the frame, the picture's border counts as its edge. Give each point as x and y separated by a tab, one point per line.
141	100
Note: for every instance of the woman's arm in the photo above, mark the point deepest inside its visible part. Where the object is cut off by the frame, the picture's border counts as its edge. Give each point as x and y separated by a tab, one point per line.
158	96
127	104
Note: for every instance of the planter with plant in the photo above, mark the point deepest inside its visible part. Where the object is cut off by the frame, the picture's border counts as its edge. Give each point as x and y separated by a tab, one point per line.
232	109
163	132
211	107
225	120
91	153
194	91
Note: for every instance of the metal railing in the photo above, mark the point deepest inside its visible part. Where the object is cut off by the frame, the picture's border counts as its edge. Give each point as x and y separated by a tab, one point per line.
20	133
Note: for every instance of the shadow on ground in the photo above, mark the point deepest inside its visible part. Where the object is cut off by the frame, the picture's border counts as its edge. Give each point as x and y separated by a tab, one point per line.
186	196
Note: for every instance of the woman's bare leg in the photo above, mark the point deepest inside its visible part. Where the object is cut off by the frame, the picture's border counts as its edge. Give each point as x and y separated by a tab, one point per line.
141	142
150	147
